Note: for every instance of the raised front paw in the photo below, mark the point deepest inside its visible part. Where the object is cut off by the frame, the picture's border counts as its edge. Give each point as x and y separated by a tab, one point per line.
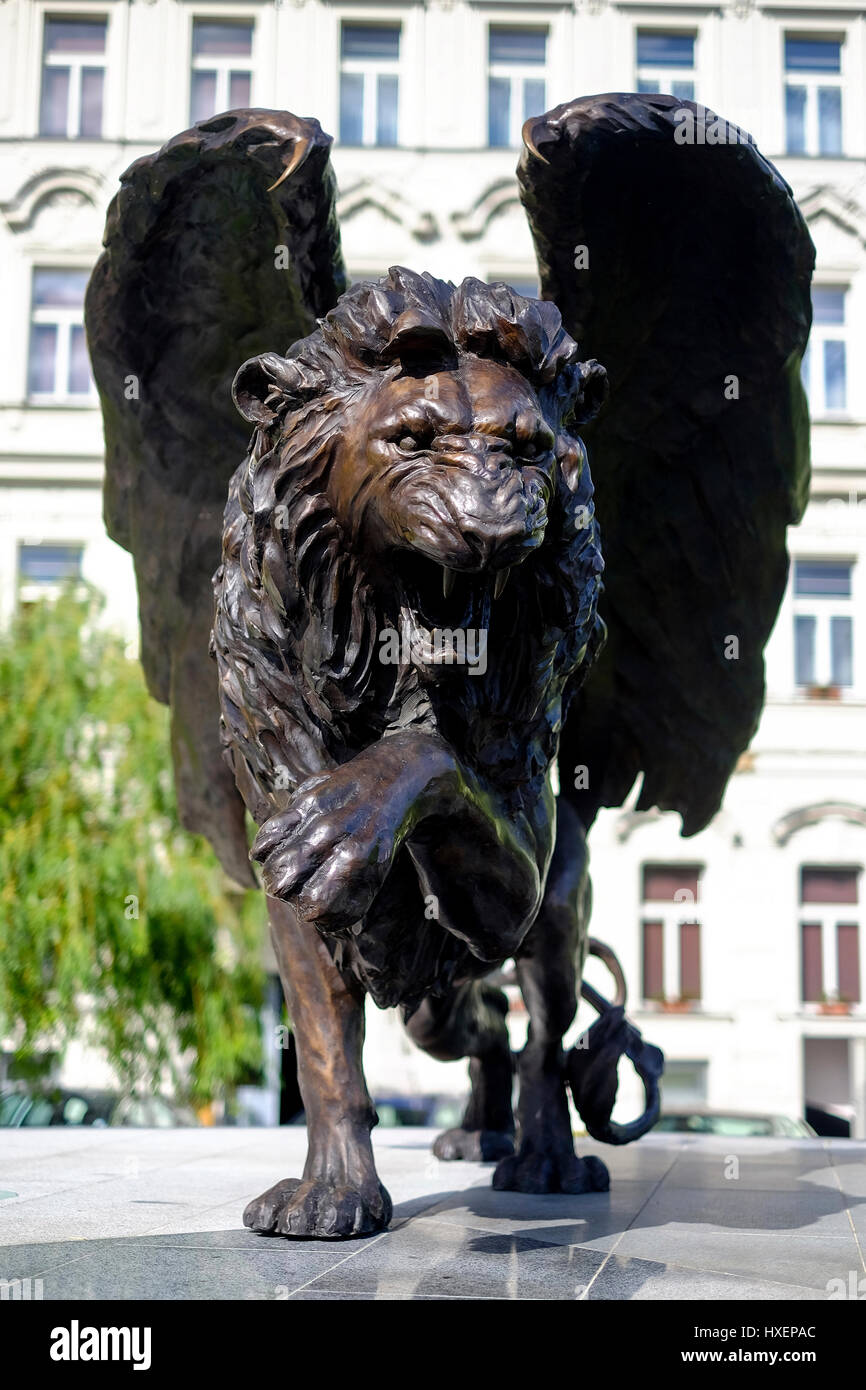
530	1171
330	852
476	1145
319	1209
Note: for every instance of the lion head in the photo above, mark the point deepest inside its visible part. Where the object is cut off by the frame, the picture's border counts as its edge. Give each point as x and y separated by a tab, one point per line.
410	455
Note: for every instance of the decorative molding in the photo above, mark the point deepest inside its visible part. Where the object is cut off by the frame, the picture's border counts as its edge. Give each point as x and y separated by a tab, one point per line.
806	816
421	225
630	821
473	223
824	201
49	186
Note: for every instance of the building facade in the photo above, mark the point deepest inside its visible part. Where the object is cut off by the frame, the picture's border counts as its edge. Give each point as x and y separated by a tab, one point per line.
744	946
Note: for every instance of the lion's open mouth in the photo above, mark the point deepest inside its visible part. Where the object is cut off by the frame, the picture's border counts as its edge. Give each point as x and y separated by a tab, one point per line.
445	610
443	597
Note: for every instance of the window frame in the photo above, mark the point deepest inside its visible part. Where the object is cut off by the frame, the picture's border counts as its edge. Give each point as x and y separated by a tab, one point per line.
76	62
672	914
65	318
224	66
28	590
813	81
829	916
650	72
822	608
813	370
517	74
370	70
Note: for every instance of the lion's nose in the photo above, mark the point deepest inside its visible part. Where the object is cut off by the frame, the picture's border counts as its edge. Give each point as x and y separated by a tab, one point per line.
477	452
513	524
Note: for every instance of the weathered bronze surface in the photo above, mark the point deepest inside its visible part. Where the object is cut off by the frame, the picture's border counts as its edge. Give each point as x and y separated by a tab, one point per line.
410	622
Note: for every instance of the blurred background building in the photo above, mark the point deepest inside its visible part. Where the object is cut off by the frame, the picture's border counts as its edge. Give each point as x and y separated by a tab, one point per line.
743	946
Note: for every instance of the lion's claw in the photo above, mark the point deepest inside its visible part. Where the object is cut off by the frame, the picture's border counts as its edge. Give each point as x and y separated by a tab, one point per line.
540	1172
476	1145
315	1209
329	853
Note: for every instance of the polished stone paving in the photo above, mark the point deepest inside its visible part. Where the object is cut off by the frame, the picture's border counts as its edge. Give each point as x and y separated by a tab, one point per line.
149	1214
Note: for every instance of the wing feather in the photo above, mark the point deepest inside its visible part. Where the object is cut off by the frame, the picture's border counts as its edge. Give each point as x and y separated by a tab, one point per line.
221	245
685	269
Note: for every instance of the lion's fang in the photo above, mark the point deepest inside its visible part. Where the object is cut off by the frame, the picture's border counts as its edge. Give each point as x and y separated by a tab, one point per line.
449	579
501	581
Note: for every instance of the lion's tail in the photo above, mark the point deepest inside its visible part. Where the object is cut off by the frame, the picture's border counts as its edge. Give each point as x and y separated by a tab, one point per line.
591	1065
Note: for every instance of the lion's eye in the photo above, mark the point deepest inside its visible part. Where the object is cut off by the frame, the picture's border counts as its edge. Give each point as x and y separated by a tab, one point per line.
409	443
535	448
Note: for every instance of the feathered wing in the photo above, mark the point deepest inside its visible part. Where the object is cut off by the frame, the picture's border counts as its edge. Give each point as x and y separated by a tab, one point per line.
221	245
683	265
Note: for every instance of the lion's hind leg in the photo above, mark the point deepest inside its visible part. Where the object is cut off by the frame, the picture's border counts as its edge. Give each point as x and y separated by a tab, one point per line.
548	967
469	1021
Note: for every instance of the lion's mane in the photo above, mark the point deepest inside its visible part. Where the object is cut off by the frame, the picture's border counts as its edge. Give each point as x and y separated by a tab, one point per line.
296	623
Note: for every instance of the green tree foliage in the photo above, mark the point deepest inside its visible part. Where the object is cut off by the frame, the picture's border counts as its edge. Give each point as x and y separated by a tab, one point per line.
112	917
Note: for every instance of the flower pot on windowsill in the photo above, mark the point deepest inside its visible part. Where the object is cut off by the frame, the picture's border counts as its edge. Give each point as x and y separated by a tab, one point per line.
835	1007
677	1006
823	692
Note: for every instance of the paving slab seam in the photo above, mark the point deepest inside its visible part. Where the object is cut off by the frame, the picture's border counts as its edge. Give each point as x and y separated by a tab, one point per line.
665	1175
848	1212
365	1245
669	1265
51	1269
98	1182
727	1274
515	1235
420	1297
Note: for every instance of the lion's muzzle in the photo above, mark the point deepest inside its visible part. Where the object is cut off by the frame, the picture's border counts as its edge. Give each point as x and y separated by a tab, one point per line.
494	510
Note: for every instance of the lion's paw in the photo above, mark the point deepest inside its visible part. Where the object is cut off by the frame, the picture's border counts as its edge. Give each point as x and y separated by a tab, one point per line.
540	1172
329	853
315	1209
476	1145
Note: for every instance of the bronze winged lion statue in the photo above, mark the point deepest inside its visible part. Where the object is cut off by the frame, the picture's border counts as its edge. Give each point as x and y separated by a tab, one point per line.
381	624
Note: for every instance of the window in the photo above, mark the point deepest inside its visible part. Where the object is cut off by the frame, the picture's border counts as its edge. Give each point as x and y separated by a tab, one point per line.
527	288
666	63
73	78
823	623
369	83
516	82
59	367
829	935
221	78
49	564
519	284
684	1083
671	936
813	95
824	367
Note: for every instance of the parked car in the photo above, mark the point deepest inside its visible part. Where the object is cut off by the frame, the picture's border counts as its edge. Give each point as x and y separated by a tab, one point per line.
433	1112
831	1121
31	1106
732	1124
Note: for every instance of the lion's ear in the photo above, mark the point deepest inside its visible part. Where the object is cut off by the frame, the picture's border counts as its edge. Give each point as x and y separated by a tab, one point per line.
260	384
593	390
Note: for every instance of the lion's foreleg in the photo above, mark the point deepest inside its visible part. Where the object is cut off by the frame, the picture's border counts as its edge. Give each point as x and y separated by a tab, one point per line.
485	866
339	1194
330	852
